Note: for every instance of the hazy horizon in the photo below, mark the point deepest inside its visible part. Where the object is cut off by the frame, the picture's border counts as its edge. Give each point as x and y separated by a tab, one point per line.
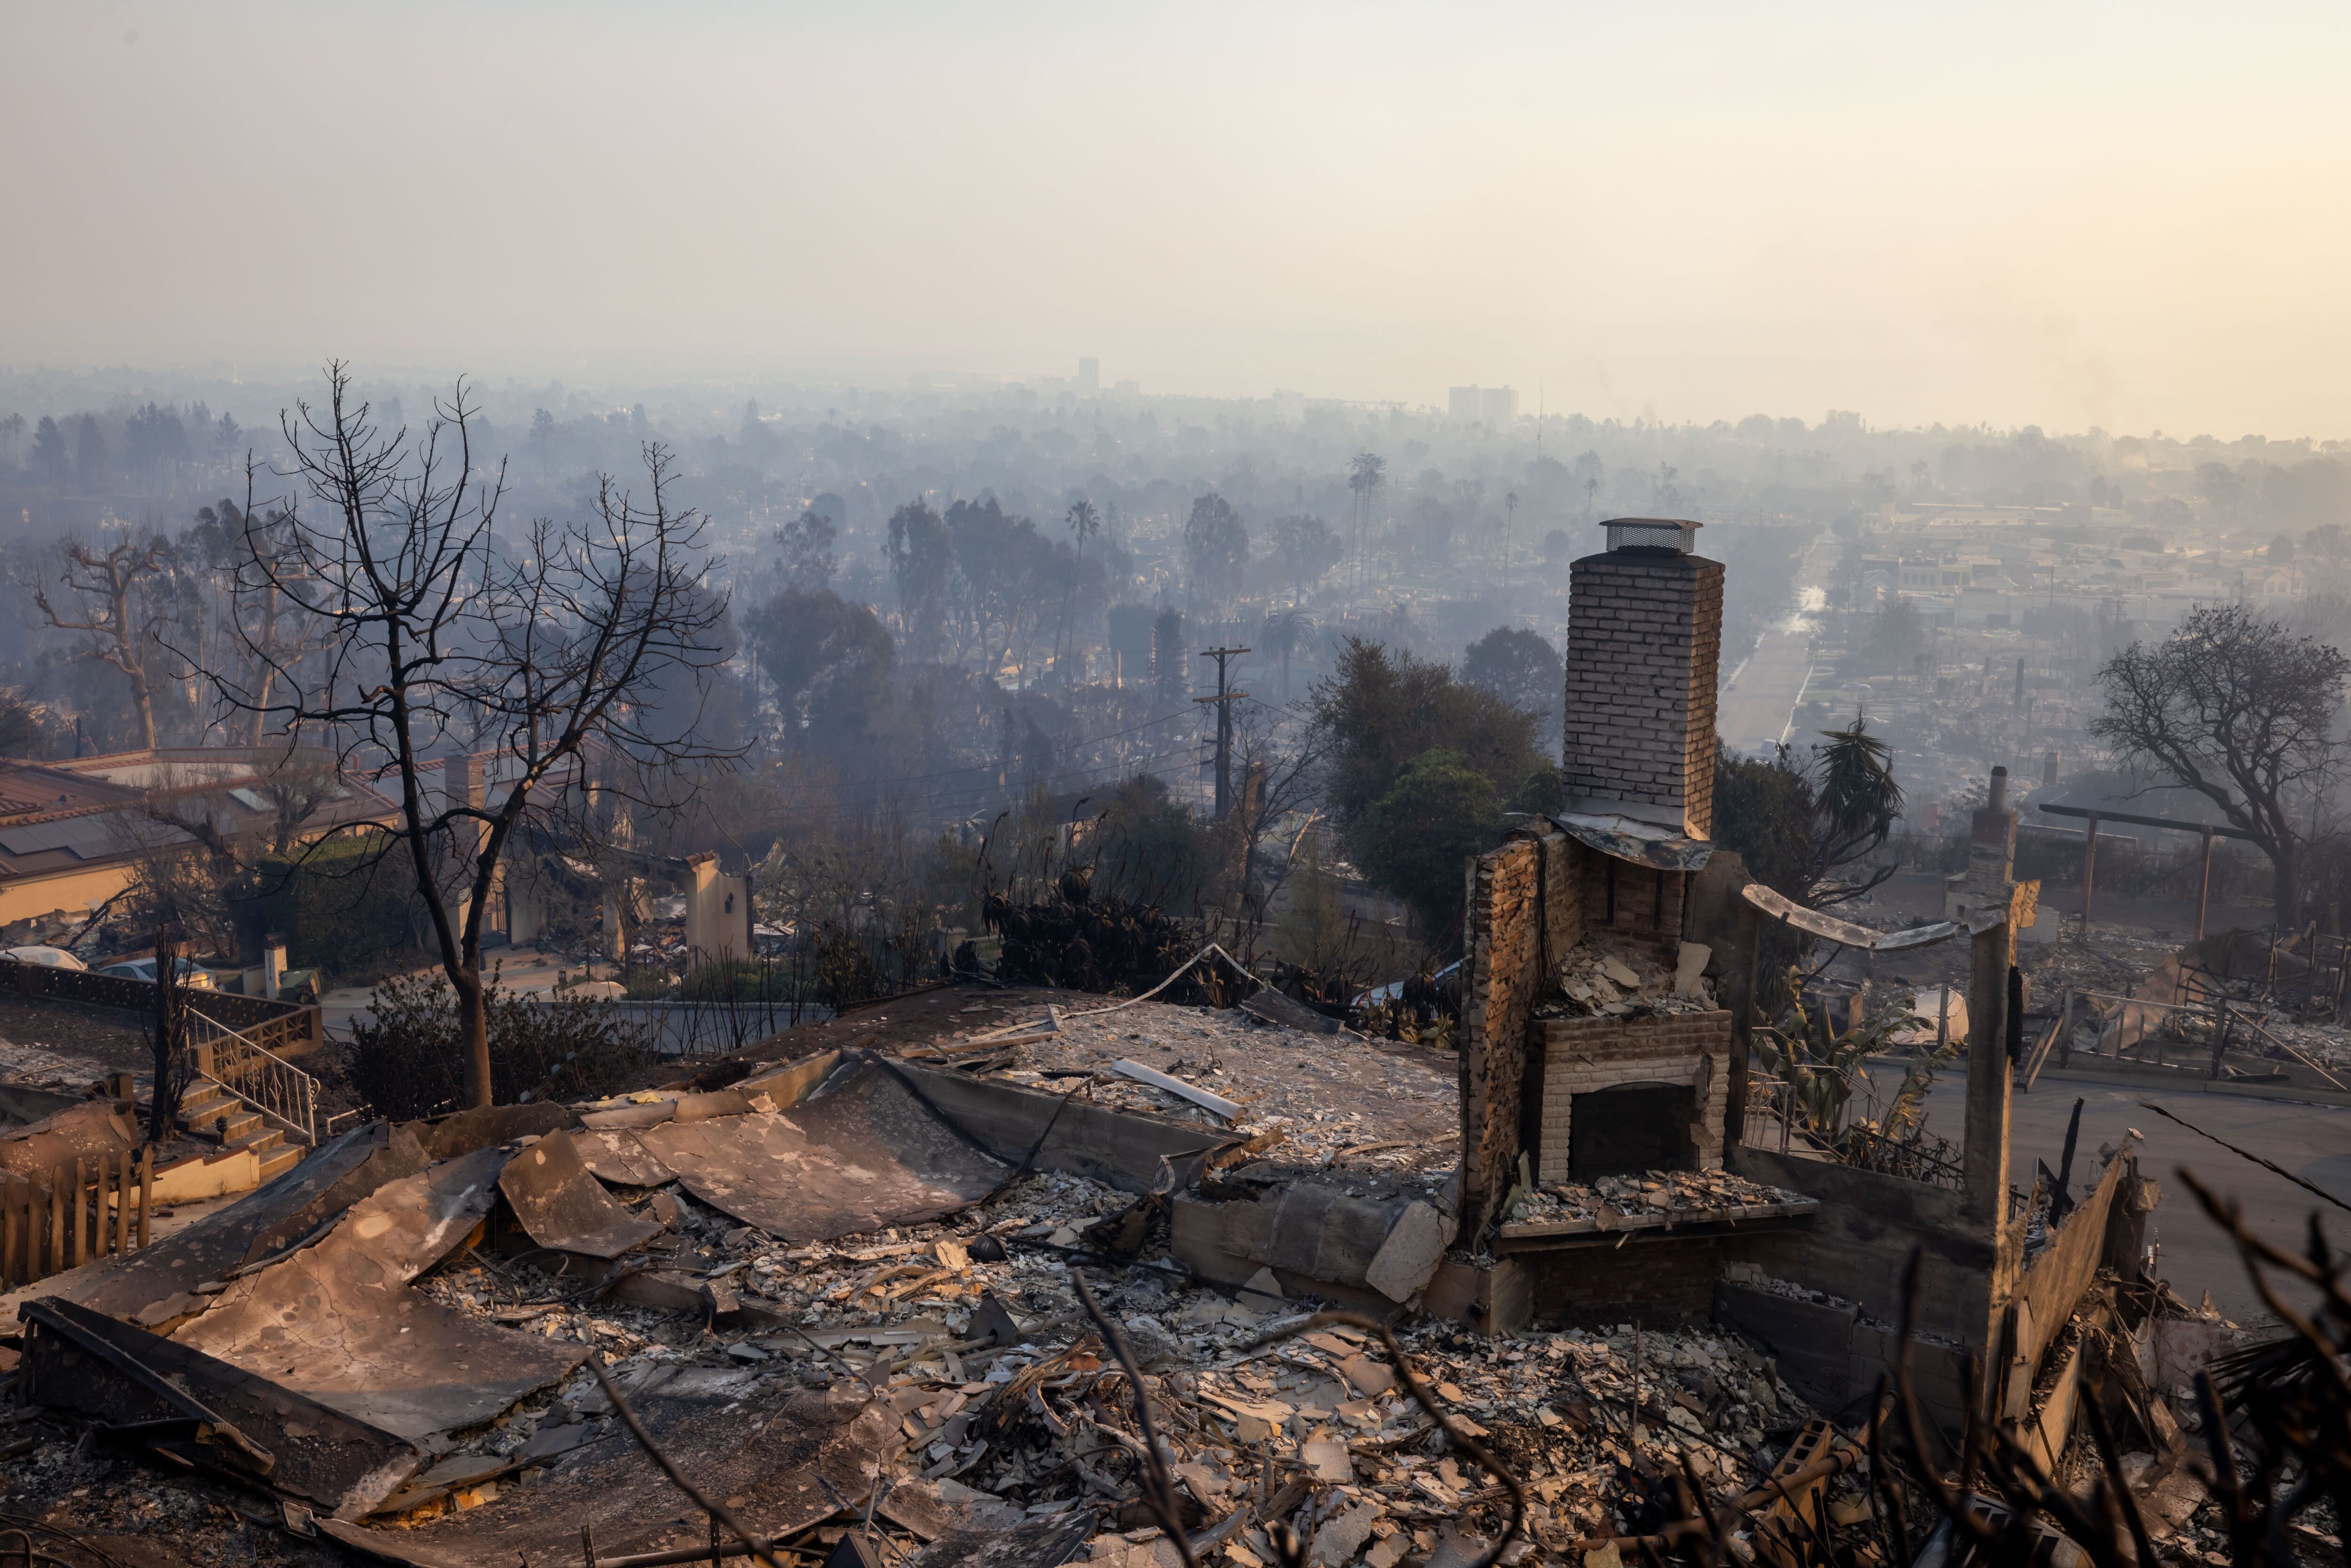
2096	217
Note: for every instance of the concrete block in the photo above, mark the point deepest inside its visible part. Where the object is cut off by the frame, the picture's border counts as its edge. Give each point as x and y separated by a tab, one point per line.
1408	1259
1813	1343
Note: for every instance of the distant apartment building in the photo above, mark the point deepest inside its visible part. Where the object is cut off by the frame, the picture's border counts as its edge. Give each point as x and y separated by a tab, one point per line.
1090	373
1492	405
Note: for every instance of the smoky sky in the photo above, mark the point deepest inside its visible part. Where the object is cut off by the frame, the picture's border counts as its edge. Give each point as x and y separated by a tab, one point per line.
2076	215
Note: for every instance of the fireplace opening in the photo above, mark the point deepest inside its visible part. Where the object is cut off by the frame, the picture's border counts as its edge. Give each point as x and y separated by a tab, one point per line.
1630	1127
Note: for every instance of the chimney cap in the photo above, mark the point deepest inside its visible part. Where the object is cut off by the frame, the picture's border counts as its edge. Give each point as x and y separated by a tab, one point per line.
1673	536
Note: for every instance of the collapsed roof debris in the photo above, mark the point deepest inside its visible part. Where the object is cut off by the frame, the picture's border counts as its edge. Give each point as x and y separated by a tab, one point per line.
933	1369
337	1320
865	1155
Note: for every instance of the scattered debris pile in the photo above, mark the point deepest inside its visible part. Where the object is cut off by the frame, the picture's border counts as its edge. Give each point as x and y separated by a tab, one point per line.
1329	1097
1622	980
1655	1196
846	1296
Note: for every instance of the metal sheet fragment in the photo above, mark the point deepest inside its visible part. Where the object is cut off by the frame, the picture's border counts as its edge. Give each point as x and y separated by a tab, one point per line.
337	1321
1630	839
561	1205
1829	928
124	1376
683	1108
782	1461
988	1542
279	1214
487	1127
863	1152
615	1155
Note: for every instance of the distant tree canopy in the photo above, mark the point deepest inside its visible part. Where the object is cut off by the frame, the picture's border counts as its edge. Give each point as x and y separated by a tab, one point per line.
1421	768
1520	667
1304	547
807	542
829	661
1896	635
1216	548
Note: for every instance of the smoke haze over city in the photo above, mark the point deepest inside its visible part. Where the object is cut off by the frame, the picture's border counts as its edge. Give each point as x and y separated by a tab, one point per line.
2072	217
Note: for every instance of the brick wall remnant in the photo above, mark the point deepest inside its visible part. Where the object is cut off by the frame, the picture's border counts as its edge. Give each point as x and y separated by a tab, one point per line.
1521	917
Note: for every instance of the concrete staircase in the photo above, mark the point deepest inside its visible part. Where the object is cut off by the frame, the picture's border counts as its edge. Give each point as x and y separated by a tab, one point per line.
210	1110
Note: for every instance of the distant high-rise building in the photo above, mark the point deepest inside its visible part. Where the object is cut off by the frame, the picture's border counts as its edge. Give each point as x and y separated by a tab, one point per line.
1090	373
1494	405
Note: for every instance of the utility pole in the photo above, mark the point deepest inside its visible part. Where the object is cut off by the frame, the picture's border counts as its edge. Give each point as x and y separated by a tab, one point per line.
1223	700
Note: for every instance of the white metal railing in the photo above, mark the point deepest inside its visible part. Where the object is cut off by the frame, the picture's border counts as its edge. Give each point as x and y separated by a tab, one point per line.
265	1081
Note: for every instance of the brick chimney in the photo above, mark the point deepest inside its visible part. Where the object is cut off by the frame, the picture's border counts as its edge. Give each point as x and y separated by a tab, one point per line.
1643	638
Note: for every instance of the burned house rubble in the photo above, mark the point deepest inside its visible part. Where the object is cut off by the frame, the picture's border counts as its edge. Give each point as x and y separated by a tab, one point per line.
987	1275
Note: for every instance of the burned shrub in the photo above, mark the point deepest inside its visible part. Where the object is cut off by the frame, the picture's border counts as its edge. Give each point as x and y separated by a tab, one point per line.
1081	940
405	1057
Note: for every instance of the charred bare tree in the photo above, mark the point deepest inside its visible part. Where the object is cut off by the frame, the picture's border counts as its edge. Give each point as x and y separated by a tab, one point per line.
570	658
173	1065
109	604
2239	709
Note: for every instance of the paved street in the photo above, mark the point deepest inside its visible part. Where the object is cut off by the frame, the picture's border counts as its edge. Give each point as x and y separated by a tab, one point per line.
2312	1141
1760	699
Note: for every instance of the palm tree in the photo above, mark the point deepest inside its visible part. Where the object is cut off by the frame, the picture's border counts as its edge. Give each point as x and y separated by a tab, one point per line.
1084	522
1284	630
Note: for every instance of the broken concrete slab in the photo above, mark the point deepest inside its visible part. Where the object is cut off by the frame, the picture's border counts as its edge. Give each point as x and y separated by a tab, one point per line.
337	1322
1309	1230
560	1206
862	1152
783	1461
203	1408
1337	1540
1408	1259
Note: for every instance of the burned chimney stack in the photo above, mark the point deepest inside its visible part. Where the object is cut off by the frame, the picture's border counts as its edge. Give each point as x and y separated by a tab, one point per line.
1643	641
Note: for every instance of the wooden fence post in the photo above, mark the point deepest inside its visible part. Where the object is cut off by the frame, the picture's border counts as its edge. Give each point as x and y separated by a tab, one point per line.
100	1219
146	1188
57	1221
7	1233
80	1212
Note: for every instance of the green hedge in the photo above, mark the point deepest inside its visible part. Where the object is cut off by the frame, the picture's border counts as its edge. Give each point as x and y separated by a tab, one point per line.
343	904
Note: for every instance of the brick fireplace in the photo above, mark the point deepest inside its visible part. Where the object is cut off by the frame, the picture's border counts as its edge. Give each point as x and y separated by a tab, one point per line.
1635	1094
